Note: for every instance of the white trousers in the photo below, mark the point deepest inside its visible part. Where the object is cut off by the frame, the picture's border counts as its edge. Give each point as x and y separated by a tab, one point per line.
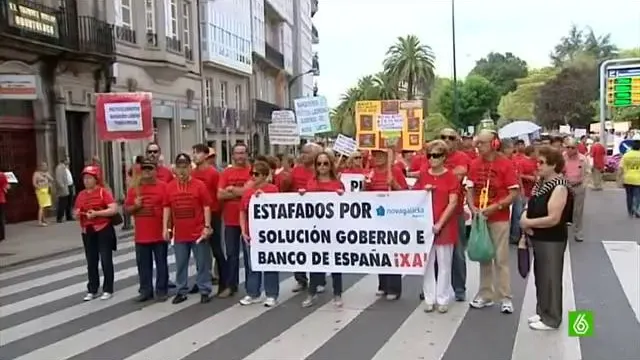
438	291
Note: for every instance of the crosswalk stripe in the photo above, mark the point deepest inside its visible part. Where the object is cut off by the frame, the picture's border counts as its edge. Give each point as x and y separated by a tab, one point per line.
205	332
419	329
5	275
549	345
302	339
625	259
108	331
69	314
44	280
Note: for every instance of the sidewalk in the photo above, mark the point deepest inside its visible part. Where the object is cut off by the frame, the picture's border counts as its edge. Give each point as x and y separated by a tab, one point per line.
27	241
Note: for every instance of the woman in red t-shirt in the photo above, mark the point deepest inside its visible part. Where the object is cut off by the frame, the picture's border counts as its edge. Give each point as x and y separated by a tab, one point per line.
383	177
260	174
325	179
4	188
444	187
94	207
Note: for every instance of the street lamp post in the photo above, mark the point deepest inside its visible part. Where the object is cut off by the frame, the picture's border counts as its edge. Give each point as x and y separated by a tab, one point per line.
293	80
455	71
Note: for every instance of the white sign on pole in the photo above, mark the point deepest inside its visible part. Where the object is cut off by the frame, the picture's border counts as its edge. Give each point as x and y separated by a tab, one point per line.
283	116
313	115
390	122
283	129
357	232
345	145
352	182
11	178
125	116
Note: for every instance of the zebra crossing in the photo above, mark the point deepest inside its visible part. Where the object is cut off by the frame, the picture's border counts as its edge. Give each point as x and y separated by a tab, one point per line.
43	317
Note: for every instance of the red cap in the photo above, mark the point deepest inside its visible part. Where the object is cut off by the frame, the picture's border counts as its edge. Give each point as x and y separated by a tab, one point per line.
91	170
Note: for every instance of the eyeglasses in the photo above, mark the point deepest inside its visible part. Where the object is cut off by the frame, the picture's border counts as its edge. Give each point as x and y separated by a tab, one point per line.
153	151
435	155
323	163
255	173
448	137
148	168
357	157
570	147
542	162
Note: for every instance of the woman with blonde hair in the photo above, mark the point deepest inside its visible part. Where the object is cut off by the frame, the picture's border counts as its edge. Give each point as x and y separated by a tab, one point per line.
42	182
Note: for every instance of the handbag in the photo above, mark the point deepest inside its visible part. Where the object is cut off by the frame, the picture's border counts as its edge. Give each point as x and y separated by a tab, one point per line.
480	247
116	219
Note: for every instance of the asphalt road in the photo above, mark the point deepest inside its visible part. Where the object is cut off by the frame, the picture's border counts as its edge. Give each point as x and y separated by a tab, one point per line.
42	316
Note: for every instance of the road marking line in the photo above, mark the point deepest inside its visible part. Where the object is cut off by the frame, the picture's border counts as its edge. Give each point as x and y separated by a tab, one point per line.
437	330
625	260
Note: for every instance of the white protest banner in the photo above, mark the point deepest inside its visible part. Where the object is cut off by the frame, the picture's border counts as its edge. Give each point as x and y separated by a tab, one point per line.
126	116
283	129
357	232
283	116
352	182
390	122
11	178
313	115
345	145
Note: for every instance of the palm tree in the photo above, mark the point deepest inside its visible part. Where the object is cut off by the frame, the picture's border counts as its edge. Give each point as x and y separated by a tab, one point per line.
411	63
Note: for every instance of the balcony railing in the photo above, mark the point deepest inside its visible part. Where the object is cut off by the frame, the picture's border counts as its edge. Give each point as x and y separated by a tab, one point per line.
57	26
315	64
264	110
174	45
314	35
220	119
126	34
188	53
152	39
274	56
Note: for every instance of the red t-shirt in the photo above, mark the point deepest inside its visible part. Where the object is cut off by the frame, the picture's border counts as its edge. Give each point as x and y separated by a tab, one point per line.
582	148
4	182
400	166
417	162
527	166
454	160
377	180
210	177
324	186
187	202
599	154
300	176
164	174
501	175
96	199
233	176
471	154
443	185
248	194
282	180
359	171
148	220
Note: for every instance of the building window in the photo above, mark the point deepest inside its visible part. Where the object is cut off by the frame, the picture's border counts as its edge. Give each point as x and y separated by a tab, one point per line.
224	151
237	95
223	94
208	90
150	15
186	24
125	13
173	7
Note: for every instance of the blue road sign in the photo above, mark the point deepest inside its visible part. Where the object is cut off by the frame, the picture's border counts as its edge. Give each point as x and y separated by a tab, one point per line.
625	146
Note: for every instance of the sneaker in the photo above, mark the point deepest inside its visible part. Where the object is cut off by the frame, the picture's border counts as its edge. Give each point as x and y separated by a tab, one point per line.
461	297
299	287
320	289
248	300
270	302
534	318
106	296
225	293
392	297
337	301
428	308
443	309
179	298
309	301
89	297
507	306
204	298
380	293
479	303
539	325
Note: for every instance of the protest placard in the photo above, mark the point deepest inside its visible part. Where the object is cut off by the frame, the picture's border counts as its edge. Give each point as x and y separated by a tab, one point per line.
352	182
357	232
313	115
373	116
345	145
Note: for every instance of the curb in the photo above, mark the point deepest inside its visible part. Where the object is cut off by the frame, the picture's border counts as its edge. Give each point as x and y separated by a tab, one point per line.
121	237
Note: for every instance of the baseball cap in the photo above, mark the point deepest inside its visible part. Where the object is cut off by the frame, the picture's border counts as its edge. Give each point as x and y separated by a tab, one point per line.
91	170
183	158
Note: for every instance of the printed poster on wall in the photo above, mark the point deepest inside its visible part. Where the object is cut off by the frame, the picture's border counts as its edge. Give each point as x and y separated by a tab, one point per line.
124	116
370	137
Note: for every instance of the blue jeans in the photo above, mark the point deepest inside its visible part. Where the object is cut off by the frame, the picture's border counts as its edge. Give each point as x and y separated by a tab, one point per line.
633	199
145	256
215	241
232	243
516	211
459	263
202	255
254	279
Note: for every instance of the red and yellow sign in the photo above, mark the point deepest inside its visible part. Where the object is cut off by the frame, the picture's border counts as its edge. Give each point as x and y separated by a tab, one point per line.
369	137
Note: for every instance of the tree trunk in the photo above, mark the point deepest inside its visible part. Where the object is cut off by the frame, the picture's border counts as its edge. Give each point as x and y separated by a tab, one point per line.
410	86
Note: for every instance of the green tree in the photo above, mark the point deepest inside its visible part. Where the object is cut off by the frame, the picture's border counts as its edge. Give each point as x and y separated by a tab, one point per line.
410	63
430	103
630	53
433	124
477	97
519	104
502	70
580	41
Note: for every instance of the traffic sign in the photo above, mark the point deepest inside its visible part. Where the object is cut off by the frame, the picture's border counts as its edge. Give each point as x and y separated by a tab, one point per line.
623	85
625	146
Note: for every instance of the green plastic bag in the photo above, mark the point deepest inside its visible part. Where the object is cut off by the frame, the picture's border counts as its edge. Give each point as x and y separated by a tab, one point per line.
480	247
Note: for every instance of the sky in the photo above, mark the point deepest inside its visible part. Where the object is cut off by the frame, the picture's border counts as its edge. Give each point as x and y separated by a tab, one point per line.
355	34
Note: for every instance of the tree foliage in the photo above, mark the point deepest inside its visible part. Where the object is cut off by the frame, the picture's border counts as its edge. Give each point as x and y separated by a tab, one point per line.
477	97
501	70
434	123
519	104
580	41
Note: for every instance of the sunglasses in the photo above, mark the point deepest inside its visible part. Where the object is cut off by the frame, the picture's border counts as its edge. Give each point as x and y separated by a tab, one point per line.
448	137
541	162
435	155
255	173
323	163
153	151
357	157
148	168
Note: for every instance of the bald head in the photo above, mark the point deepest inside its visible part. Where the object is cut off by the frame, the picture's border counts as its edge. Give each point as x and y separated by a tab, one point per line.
485	137
449	132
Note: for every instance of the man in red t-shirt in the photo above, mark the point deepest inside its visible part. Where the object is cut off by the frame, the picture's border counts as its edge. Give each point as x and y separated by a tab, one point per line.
145	202
231	186
188	203
4	188
300	176
154	153
208	174
492	187
582	145
599	155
